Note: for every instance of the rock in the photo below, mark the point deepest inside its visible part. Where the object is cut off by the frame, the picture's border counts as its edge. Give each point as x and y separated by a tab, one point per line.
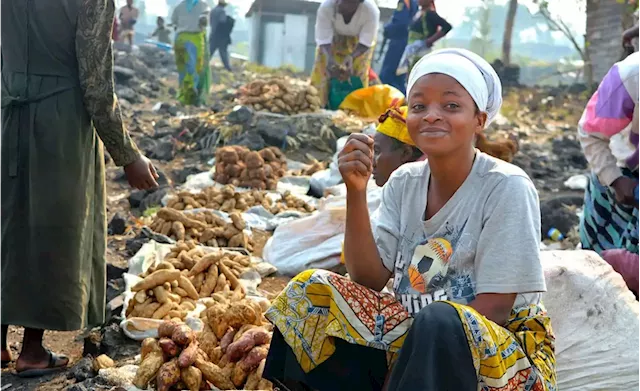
240	115
173	110
147	145
134	245
136	197
153	199
102	362
83	370
217	107
122	75
251	140
164	149
556	212
180	176
163	132
115	344
128	94
273	133
86	385
117	225
92	343
162	123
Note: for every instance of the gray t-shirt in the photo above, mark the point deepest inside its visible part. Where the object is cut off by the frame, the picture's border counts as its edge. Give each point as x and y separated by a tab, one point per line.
484	240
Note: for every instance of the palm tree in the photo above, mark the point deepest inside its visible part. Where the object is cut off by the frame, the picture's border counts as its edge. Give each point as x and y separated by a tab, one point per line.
508	31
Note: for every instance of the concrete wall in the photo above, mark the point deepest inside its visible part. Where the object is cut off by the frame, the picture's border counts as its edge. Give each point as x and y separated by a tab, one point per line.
604	34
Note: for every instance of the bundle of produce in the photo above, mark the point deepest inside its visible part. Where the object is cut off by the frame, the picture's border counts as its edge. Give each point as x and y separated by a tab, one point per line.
279	95
236	339
240	166
204	227
229	200
210	273
164	293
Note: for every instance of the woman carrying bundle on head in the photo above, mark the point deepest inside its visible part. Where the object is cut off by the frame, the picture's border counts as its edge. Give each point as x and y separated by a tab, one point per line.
459	234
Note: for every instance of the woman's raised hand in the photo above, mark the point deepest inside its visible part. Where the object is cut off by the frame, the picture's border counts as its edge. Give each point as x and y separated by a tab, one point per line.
355	162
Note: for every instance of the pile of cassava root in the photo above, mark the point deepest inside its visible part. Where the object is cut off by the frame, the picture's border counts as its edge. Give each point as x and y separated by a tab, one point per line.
229	200
178	359
170	289
280	96
242	167
204	227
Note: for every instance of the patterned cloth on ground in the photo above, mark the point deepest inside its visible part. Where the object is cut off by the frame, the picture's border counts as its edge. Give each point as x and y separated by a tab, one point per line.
194	73
318	305
341	47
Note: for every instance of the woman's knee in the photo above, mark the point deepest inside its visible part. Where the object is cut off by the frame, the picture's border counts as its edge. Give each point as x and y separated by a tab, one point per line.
437	316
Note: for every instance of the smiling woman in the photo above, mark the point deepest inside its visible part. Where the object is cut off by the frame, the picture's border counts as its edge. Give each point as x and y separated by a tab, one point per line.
461	229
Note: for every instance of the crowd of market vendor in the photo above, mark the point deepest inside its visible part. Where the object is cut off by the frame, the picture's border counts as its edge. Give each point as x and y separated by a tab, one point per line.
456	236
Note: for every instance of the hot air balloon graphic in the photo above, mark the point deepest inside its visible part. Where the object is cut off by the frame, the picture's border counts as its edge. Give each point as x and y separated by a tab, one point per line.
429	260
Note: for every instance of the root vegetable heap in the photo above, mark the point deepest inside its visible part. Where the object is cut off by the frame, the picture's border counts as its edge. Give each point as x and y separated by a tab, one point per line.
204	227
170	289
280	96
236	339
228	200
239	166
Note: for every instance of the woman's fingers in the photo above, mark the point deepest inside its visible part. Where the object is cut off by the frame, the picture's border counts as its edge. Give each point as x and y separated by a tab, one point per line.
355	166
357	155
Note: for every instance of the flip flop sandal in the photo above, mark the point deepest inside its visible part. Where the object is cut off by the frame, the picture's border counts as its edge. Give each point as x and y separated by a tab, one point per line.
53	367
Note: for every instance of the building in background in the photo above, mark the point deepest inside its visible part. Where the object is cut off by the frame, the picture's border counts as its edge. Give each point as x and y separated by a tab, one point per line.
606	21
282	32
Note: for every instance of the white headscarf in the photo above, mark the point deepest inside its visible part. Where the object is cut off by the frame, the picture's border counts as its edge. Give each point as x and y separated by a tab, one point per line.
470	70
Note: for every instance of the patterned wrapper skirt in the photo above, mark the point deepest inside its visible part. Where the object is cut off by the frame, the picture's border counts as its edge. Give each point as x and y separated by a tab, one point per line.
606	224
194	74
341	47
318	306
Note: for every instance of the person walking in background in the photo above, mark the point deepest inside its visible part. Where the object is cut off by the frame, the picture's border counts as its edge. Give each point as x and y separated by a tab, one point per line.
52	170
128	18
191	51
425	30
396	32
346	32
221	26
162	32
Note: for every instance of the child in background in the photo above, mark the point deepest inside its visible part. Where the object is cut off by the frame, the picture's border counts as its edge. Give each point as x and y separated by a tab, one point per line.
162	32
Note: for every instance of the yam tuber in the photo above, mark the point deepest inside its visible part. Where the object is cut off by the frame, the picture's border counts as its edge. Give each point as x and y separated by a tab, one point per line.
227	339
149	345
168	375
192	378
169	348
156	278
148	369
163	310
188	355
204	263
172	215
166	329
182	335
186	284
213	374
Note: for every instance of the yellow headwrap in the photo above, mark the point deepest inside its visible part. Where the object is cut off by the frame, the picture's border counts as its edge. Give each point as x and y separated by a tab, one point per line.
393	124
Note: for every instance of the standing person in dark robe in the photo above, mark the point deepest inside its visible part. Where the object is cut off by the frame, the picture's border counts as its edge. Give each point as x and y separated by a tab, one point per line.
57	87
220	35
396	33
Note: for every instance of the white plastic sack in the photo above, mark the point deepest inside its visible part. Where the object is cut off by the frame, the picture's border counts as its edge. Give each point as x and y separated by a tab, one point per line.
595	320
314	242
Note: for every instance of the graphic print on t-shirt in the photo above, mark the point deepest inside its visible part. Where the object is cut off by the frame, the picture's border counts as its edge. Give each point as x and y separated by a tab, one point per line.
431	276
